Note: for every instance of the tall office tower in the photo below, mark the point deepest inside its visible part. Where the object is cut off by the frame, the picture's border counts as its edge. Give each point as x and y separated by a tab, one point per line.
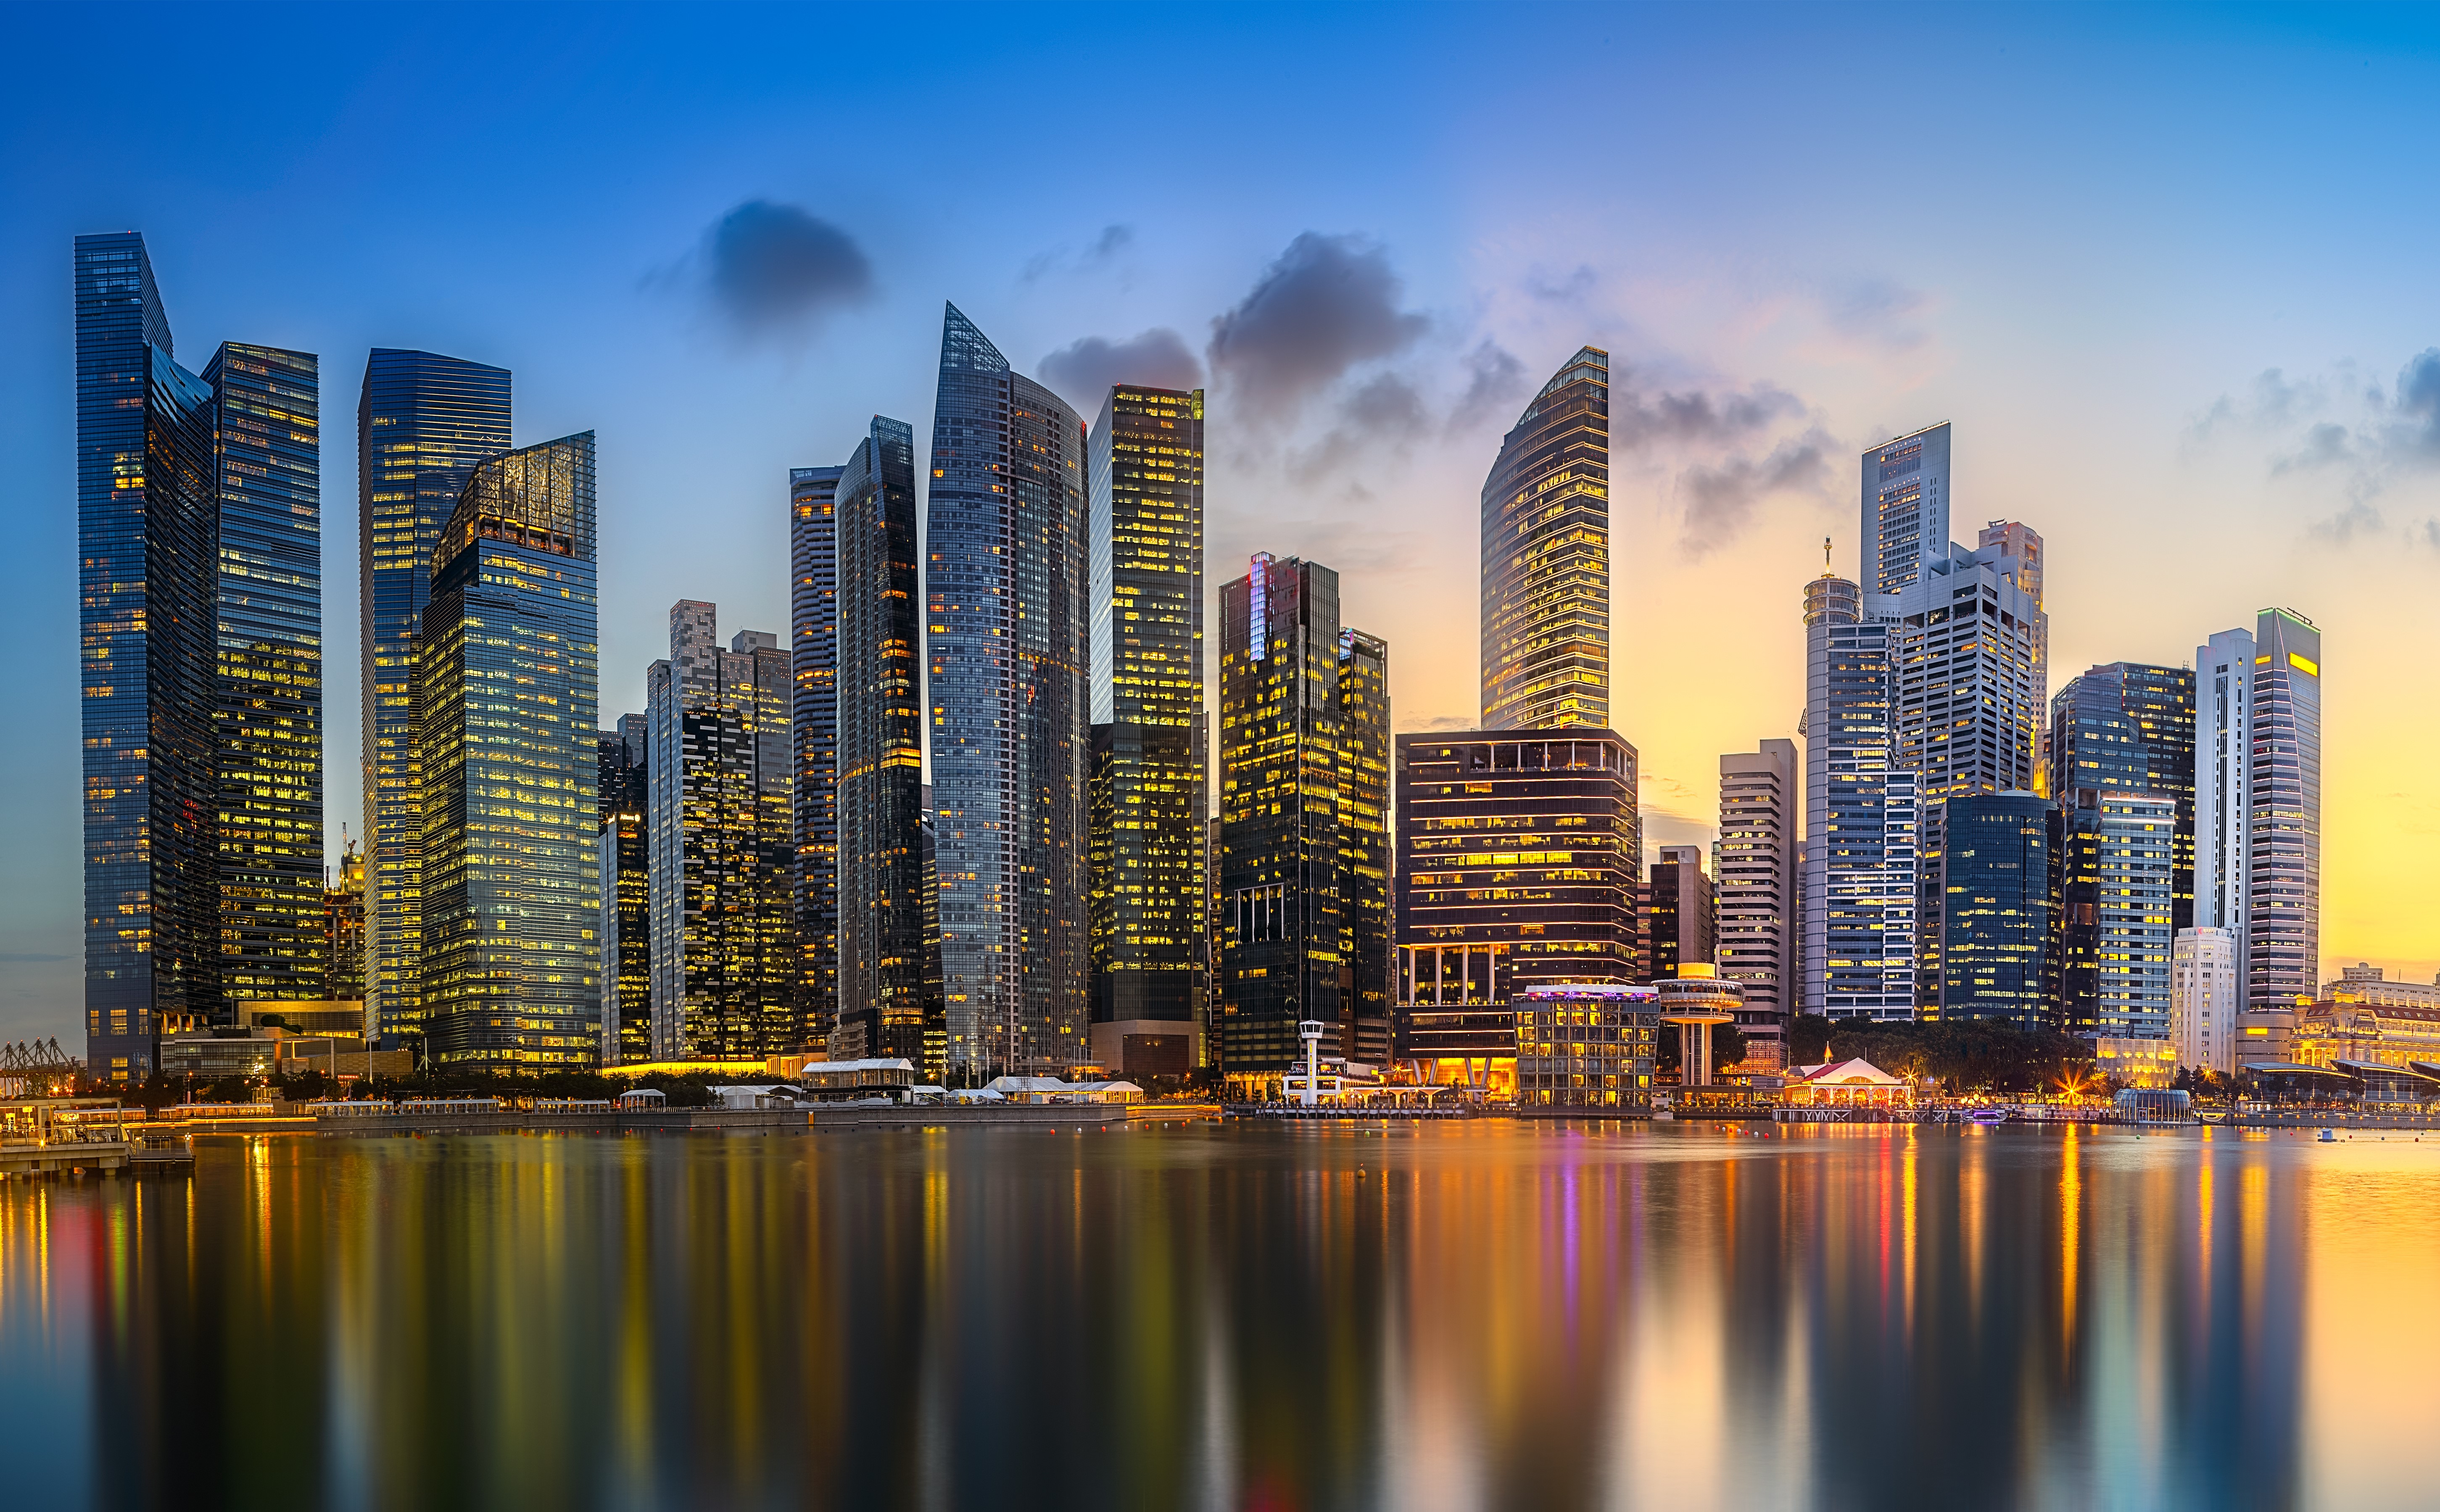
266	407
2115	864
1971	693
1753	882
506	681
2204	996
1006	589
1364	918
1213	937
343	930
422	423
1681	920
719	845
2283	922
1905	509
1545	557
2129	726
2223	747
814	656
148	528
1858	873
883	1007
1148	788
1996	892
1517	857
626	934
1279	864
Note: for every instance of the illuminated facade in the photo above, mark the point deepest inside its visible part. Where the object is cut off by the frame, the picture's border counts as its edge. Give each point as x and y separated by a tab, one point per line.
2116	868
1753	882
2284	839
1005	597
1365	927
1905	509
147	548
266	406
2205	997
720	845
423	423
626	936
343	930
1517	855
1545	589
885	1006
1996	910
507	684
2131	726
1860	864
814	657
1148	790
1678	924
2223	776
1586	1046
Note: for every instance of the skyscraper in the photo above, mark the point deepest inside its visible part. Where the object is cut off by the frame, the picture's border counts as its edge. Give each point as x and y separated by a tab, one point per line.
814	656
1364	915
1970	647
721	851
1994	880
2116	901
1546	585
1753	879
1905	509
1149	781
626	932
1681	927
2205	997
148	532
1860	861
266	406
1517	857
2129	727
884	1005
2223	749
2284	848
422	423
505	686
1006	590
343	930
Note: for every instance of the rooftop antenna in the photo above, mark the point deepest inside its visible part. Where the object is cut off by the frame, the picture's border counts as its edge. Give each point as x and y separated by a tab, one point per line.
1825	556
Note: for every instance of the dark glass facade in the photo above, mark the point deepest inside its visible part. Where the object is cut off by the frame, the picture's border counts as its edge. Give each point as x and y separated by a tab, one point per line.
814	656
267	721
1518	854
2129	726
148	593
422	423
1997	881
885	1008
1546	588
1367	931
1006	597
1148	794
626	901
506	689
1678	925
343	930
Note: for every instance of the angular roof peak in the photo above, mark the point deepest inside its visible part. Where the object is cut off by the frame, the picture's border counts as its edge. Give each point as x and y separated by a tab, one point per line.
966	348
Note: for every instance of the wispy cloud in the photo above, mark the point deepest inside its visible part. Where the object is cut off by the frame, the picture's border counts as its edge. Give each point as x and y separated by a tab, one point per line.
1083	372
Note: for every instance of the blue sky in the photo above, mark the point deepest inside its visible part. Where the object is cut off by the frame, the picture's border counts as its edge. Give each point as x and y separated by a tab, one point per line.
2167	270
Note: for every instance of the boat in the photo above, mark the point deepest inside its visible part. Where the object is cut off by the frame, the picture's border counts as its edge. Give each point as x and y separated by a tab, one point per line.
2329	1136
1986	1115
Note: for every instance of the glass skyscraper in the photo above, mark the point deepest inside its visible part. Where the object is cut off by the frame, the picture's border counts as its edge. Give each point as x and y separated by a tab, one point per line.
885	1004
1754	874
626	900
1996	961
1546	582
2129	726
422	423
266	405
2283	942
814	656
1148	788
1860	866
2224	787
1905	509
505	684
148	591
1006	593
1365	927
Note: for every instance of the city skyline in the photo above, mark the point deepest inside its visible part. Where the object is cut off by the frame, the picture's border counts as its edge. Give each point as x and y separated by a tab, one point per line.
1857	393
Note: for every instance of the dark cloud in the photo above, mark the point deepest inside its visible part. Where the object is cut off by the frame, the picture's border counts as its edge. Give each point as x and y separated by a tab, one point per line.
1496	381
2326	445
1082	370
1638	419
1720	499
780	265
2418	405
1383	408
1327	304
1113	240
1099	253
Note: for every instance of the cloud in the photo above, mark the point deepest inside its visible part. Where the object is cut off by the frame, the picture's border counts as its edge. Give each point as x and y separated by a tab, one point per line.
1570	289
1083	369
2271	402
1099	253
1877	309
1496	379
2325	444
1638	419
2357	519
2418	406
781	266
1326	305
1383	408
1720	500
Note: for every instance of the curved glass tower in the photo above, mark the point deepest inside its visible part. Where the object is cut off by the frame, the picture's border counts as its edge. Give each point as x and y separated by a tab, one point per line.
1545	557
1006	651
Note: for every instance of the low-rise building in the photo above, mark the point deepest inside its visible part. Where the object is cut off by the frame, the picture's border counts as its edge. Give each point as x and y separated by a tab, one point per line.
2387	1034
1585	1046
1857	1083
2143	1063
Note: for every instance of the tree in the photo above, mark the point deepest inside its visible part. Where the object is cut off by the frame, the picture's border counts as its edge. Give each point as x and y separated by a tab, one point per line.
1808	1039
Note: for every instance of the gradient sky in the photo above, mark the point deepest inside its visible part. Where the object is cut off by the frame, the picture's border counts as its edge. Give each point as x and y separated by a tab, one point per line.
2170	274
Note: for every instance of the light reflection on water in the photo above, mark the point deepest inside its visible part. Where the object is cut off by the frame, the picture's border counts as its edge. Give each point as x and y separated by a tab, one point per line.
1490	1314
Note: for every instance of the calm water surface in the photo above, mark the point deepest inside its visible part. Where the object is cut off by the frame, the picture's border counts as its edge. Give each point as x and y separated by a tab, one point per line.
1485	1315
